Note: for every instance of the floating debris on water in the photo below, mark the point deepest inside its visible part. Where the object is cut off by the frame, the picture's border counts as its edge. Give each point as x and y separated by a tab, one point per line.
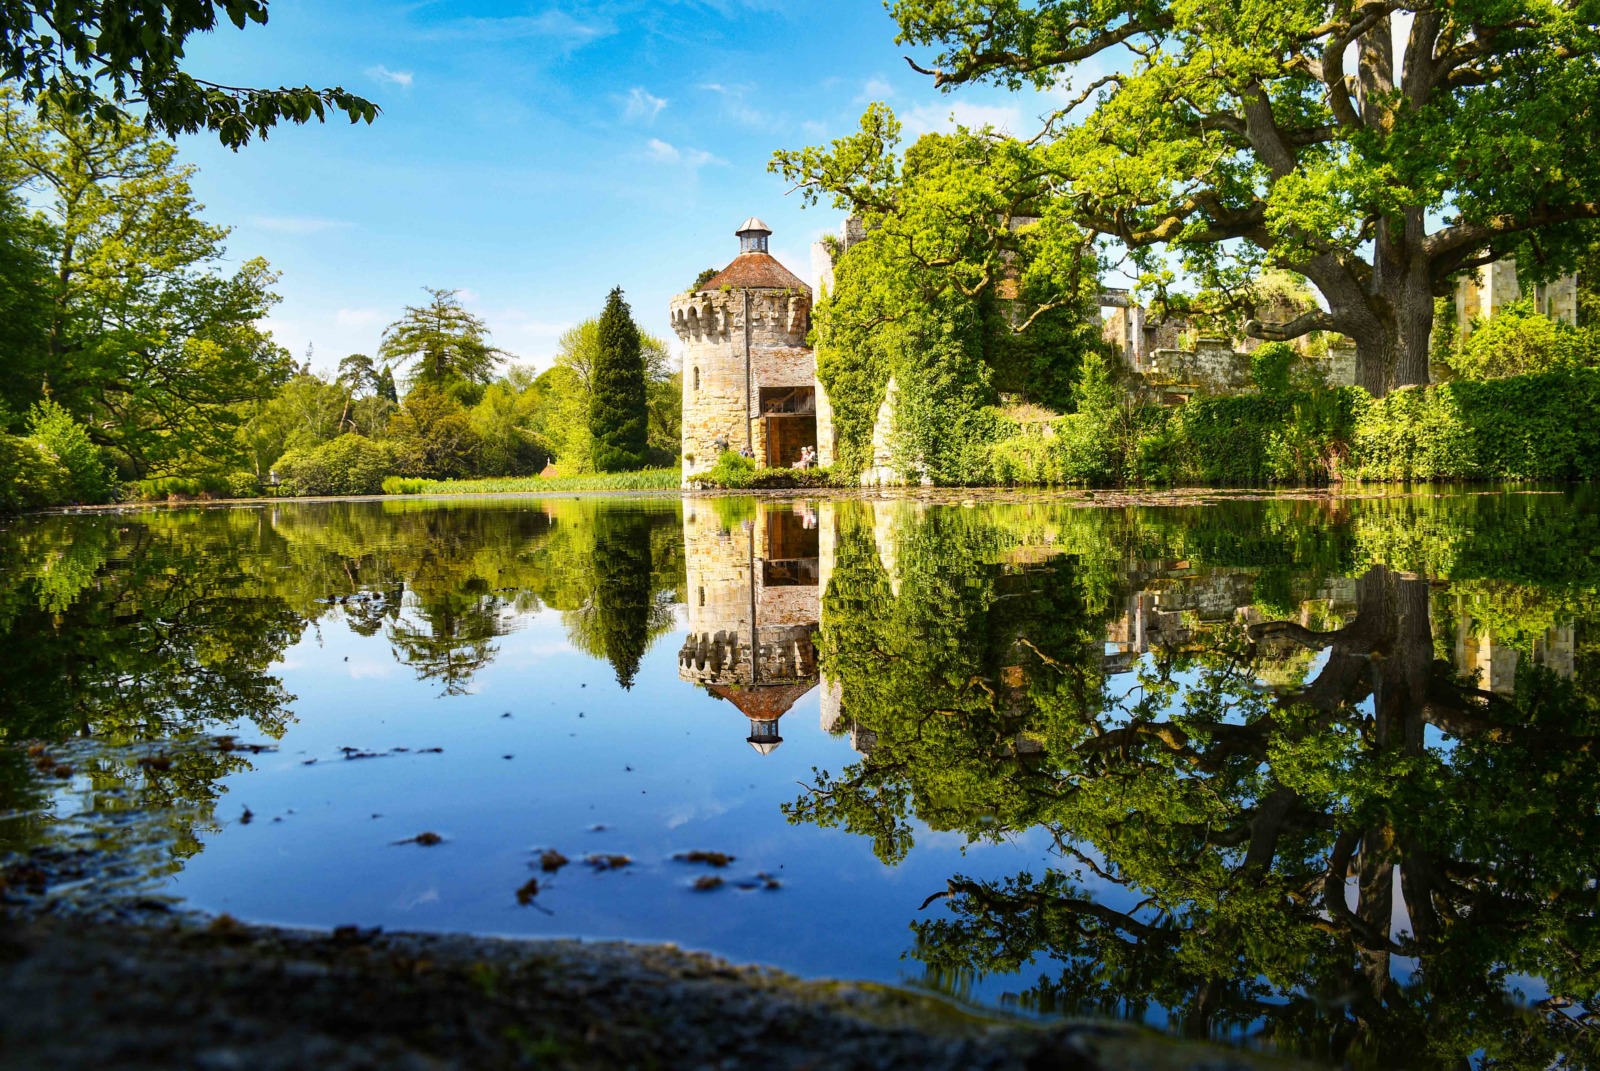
716	859
607	862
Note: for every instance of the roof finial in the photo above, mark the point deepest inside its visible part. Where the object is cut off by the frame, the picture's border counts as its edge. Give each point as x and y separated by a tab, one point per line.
753	236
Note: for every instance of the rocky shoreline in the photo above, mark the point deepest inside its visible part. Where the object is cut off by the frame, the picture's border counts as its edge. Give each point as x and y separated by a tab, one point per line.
145	987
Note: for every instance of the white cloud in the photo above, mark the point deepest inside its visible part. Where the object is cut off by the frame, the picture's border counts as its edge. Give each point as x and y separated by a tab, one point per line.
298	224
358	317
641	104
552	25
876	89
665	153
735	106
944	117
394	78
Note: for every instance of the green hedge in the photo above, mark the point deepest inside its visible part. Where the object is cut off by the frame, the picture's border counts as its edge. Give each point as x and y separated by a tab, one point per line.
1544	426
665	479
1535	427
1292	437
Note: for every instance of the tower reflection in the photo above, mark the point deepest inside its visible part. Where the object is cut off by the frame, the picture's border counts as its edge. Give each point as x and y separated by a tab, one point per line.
754	577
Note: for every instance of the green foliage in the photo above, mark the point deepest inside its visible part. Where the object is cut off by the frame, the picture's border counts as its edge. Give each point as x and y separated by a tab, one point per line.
1519	341
107	54
1171	155
732	471
956	293
349	465
618	407
303	413
503	422
642	480
151	344
24	300
445	346
178	488
1535	427
88	478
1251	440
735	472
243	485
30	475
567	395
432	437
1270	366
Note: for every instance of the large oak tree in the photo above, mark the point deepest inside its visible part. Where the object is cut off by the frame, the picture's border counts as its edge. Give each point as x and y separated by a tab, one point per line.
1377	147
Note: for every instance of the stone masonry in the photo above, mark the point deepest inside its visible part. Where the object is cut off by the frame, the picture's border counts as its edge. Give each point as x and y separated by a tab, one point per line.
744	333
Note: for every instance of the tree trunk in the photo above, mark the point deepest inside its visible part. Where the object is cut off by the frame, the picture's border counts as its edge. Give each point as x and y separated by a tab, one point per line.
1401	300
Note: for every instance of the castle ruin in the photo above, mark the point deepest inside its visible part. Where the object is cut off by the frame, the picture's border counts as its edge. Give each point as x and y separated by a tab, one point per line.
749	379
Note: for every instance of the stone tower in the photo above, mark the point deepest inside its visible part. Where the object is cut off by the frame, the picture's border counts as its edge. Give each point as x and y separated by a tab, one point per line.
749	380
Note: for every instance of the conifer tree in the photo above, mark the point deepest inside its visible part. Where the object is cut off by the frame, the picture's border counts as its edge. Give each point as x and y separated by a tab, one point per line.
618	406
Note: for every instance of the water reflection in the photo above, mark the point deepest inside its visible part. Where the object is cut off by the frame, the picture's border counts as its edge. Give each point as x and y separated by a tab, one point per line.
754	576
1319	774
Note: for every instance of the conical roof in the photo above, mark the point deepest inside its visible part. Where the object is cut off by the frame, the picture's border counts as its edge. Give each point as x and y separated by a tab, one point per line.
753	224
763	702
766	747
755	271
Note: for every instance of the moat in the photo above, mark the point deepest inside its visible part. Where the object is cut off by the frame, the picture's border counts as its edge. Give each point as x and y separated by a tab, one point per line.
1315	774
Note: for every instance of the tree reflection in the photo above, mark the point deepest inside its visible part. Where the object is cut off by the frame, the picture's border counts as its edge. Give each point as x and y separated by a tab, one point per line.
151	631
1359	861
625	611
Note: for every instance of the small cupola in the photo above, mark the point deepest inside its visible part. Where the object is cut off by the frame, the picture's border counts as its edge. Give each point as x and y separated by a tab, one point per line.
764	736
753	236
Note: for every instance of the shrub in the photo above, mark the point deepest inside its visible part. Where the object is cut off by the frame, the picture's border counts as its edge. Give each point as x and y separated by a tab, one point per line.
1027	457
30	475
642	480
733	471
243	485
433	437
1519	341
1535	427
161	488
1270	365
766	479
349	465
1294	437
88	477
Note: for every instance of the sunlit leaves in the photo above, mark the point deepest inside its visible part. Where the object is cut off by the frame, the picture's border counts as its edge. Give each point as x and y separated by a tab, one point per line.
99	59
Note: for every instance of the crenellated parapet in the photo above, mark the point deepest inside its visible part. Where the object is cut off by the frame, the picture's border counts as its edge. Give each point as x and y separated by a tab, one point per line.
777	317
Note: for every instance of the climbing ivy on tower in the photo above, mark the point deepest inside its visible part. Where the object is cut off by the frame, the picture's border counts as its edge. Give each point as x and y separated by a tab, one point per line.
618	409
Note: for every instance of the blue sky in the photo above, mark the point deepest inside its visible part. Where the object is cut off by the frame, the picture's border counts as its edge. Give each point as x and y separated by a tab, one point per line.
535	154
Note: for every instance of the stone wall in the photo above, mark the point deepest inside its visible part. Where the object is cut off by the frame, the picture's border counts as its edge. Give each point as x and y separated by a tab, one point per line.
881	471
1212	367
1481	294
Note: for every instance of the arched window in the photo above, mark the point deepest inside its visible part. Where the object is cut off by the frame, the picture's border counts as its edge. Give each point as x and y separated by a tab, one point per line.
697	377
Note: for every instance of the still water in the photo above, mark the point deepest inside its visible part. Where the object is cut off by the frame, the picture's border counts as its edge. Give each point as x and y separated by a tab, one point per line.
1312	774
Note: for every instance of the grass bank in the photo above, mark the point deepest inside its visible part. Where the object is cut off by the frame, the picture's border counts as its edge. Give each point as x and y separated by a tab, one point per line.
645	480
